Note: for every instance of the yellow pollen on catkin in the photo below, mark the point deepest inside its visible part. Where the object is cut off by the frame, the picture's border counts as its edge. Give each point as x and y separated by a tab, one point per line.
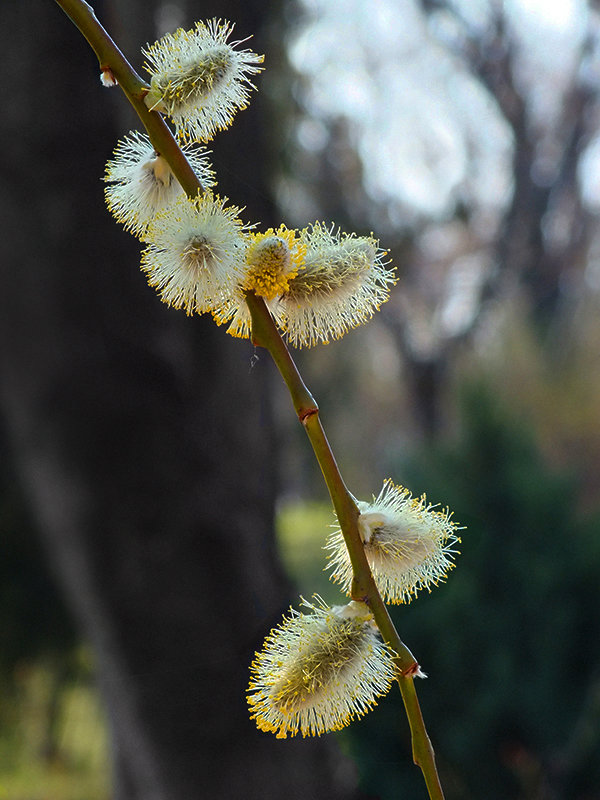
319	671
273	259
332	650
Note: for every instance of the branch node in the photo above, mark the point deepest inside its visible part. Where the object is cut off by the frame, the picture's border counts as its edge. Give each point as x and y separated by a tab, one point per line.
413	671
306	413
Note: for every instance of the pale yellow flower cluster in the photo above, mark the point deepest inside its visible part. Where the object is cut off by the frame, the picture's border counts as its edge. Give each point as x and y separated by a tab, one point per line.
318	282
321	669
408	543
199	79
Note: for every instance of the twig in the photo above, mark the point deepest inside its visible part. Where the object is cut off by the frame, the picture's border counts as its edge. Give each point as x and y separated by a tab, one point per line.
265	334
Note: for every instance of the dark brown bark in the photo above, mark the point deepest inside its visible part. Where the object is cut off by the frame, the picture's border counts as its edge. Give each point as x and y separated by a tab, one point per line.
141	438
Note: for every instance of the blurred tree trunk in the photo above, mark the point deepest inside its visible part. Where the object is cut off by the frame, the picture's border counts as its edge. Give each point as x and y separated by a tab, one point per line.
142	437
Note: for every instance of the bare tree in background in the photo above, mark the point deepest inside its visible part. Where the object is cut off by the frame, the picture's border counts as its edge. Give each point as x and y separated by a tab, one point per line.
537	253
141	437
462	262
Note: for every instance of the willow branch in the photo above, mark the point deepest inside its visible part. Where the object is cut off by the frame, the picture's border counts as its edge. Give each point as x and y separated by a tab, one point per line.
265	334
135	89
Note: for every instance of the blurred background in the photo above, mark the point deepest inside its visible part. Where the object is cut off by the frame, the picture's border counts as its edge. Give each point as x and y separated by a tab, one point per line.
159	505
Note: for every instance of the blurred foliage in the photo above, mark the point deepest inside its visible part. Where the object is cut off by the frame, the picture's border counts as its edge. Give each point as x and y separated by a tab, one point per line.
53	743
301	531
52	732
511	640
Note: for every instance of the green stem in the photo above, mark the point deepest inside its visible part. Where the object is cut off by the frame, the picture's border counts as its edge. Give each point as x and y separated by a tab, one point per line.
423	754
265	334
110	57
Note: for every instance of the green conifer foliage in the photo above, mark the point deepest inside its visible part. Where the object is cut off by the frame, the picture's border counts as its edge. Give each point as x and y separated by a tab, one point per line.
511	640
